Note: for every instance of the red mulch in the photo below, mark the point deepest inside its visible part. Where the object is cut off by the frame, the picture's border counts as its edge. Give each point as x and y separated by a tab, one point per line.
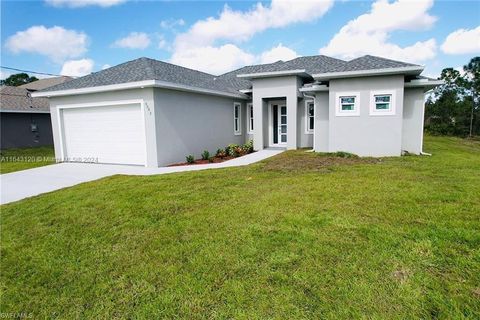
200	161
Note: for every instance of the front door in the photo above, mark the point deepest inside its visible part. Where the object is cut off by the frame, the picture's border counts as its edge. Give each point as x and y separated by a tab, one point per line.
279	125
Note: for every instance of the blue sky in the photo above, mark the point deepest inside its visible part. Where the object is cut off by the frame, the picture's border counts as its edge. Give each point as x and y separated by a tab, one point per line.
80	36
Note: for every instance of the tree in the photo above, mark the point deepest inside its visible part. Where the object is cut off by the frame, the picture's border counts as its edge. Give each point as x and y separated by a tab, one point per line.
18	79
472	84
453	108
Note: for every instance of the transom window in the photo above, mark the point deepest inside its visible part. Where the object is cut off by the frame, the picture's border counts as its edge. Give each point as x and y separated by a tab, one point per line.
348	104
250	117
237	125
382	103
309	116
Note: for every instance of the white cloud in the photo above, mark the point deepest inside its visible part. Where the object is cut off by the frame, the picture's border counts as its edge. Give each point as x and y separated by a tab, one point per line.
240	26
83	3
162	43
135	40
5	74
370	32
199	47
56	43
278	53
106	66
171	23
462	41
77	68
215	60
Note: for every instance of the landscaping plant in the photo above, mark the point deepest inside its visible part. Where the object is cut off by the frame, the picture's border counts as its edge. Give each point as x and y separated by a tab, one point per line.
205	155
190	159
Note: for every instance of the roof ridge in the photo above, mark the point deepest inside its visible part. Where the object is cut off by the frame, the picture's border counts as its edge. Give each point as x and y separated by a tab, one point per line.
151	60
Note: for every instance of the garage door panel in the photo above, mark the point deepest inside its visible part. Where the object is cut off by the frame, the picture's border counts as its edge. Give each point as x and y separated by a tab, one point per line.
111	134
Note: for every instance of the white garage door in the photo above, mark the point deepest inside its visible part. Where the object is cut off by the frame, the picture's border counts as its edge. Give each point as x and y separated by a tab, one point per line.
109	134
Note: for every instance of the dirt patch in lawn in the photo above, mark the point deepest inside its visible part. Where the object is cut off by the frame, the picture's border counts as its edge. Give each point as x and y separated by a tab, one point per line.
300	160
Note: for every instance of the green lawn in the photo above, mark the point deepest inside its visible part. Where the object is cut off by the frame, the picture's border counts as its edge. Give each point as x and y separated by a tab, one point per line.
297	236
25	158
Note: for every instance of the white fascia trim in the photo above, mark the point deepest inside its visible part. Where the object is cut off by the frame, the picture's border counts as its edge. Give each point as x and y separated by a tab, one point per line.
314	88
137	85
423	83
24	111
246	90
272	74
374	72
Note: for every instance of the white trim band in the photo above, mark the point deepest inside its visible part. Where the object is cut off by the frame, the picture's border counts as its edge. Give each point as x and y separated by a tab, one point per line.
137	85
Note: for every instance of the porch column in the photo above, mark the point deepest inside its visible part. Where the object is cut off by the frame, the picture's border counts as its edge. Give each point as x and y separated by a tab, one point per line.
257	102
292	120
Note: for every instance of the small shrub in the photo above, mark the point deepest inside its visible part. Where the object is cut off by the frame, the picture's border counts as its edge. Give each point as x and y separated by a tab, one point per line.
205	155
221	153
211	159
248	147
232	150
190	158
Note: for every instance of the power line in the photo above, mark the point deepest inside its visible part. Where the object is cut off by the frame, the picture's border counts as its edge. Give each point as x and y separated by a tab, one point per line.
34	72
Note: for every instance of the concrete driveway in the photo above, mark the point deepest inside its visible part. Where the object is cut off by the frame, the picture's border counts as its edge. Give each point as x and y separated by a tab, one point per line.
28	183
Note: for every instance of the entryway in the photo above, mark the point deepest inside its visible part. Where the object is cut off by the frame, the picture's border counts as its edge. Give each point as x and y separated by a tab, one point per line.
277	124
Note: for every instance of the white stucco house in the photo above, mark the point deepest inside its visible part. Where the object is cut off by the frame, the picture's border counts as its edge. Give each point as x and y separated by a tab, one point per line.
152	113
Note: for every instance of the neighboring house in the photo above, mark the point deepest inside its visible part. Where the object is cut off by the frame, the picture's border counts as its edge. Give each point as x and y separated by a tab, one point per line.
152	113
45	83
24	120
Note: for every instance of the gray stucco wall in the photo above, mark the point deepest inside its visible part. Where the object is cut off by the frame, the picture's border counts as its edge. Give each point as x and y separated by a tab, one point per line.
366	135
304	139
413	115
188	123
132	94
322	111
272	88
16	130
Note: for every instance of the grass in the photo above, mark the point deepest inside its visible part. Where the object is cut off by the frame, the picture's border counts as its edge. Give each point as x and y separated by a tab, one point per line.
25	158
297	236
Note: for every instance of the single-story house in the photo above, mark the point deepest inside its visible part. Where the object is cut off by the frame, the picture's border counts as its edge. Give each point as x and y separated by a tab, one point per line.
153	113
24	120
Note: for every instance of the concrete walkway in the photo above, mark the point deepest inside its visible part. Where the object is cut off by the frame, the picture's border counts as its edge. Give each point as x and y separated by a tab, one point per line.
27	183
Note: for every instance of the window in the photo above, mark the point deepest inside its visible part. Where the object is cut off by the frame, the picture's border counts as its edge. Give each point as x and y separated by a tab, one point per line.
309	116
382	103
348	104
250	118
237	124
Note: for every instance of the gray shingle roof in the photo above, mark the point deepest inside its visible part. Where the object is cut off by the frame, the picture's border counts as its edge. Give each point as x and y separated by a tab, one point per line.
45	83
371	62
148	69
19	99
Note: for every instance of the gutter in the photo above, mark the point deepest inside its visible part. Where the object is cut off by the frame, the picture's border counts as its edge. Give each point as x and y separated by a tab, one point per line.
138	85
374	72
314	88
298	72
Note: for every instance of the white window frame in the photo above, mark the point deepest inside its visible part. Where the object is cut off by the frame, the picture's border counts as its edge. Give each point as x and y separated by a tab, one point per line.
347	113
373	109
250	118
307	117
239	118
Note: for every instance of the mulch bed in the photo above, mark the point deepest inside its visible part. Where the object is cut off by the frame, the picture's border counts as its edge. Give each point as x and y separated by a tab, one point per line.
201	161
